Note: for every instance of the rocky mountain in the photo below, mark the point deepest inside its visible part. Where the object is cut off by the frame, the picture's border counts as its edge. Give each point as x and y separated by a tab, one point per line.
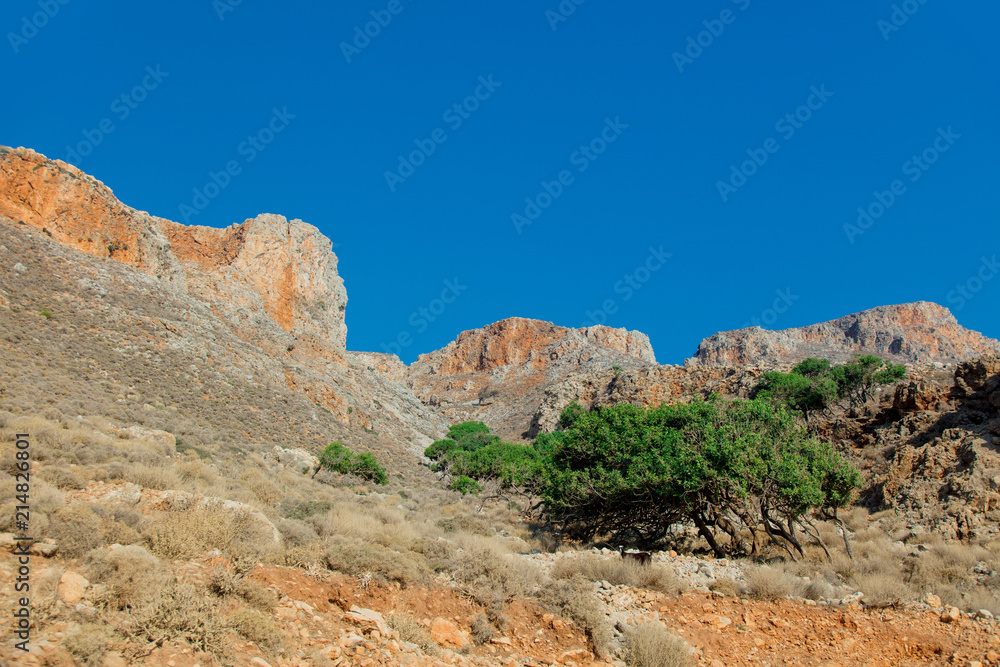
238	334
907	333
519	358
232	335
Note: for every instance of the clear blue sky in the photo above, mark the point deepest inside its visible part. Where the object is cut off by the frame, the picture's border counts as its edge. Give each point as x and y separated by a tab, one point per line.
552	87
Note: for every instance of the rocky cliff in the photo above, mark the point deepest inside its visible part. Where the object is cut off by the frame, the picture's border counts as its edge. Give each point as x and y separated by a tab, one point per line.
519	358
267	277
907	333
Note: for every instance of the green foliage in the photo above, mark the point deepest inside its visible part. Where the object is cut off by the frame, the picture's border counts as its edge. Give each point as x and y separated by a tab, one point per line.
365	466
814	385
339	458
802	393
336	457
460	431
716	463
570	414
439	448
857	379
465	485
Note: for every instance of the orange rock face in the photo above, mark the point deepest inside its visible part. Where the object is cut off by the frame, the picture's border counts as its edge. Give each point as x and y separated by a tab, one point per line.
264	265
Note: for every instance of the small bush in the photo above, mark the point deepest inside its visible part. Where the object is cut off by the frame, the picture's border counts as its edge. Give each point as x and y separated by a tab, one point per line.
266	491
179	611
465	485
727	587
883	591
488	569
235	532
410	630
306	509
817	590
765	583
353	558
76	529
255	594
576	599
482	629
650	645
257	628
88	643
130	575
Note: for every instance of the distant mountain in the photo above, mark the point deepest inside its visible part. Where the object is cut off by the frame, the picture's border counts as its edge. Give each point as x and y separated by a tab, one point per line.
919	332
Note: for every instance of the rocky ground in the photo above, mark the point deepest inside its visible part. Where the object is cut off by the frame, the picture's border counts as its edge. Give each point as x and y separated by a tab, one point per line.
331	619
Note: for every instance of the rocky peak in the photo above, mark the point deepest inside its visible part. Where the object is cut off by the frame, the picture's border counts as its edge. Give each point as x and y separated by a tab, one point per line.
518	341
920	332
267	277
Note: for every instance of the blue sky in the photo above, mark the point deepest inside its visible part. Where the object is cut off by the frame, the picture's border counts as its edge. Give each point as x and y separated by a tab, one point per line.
600	166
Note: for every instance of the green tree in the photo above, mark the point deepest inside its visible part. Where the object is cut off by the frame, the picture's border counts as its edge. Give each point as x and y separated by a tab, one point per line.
856	380
339	458
464	429
719	464
801	393
570	414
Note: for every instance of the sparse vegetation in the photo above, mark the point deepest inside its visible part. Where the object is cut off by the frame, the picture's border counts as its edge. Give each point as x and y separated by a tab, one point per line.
651	645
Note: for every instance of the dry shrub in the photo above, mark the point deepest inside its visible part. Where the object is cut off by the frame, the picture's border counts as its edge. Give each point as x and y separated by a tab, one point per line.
236	532
482	629
577	600
197	473
767	583
650	645
159	477
64	478
727	587
88	643
817	590
378	525
499	573
180	611
386	564
410	630
982	599
76	529
226	584
263	489
465	523
257	628
883	591
130	575
619	572
296	533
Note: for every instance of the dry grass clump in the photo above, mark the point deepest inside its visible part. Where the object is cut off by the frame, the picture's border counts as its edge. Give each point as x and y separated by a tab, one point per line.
727	587
577	600
768	583
619	572
178	611
88	643
157	476
227	584
817	590
235	532
883	591
76	529
410	630
487	568
405	568
130	575
651	645
257	628
482	629
263	489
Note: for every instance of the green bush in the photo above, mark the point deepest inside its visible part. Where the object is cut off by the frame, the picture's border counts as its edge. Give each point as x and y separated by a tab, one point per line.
339	458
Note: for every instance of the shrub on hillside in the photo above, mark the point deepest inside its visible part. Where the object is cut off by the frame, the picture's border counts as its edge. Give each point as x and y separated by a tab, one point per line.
619	572
651	645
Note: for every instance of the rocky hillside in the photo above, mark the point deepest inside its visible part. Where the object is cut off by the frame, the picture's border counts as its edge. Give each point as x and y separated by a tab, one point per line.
232	336
907	333
520	359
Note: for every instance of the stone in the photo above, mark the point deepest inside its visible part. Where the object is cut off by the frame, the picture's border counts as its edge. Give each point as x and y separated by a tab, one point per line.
951	614
72	587
446	633
259	662
43	549
933	601
367	618
20	268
